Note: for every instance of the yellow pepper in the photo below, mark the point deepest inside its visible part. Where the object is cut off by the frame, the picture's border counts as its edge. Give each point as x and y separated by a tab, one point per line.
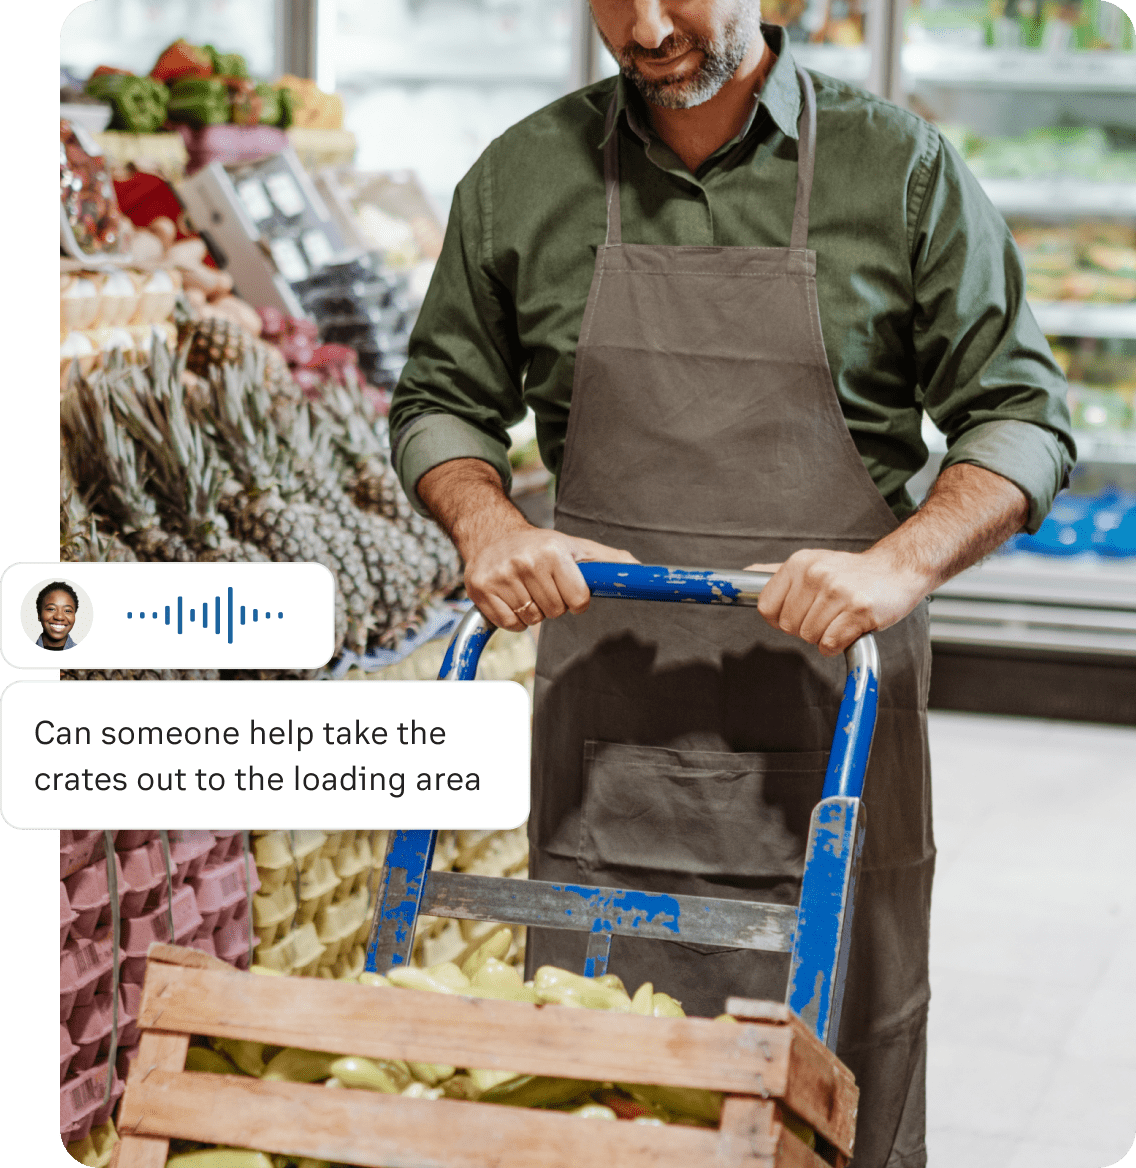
570	989
444	978
664	1006
537	1091
390	1076
201	1058
496	945
641	1003
687	1104
248	1056
294	1065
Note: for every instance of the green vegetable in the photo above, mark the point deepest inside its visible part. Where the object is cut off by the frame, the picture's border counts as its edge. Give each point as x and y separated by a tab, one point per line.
139	103
201	1058
200	101
388	1076
538	1091
227	64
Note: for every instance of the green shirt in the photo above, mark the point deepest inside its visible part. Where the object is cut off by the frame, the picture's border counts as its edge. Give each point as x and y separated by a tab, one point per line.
921	288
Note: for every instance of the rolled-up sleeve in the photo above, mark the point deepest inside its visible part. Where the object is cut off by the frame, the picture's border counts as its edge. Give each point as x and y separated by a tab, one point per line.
988	378
461	387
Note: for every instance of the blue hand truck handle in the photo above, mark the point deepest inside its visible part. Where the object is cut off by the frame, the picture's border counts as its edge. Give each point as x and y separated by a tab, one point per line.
855	722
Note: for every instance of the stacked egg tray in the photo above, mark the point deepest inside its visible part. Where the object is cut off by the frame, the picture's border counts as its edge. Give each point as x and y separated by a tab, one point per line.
313	913
204	894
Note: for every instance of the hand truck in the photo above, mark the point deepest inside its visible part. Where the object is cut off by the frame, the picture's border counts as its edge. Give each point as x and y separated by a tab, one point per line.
817	933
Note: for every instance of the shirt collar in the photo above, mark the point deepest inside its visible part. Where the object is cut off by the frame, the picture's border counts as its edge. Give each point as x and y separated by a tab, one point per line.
780	96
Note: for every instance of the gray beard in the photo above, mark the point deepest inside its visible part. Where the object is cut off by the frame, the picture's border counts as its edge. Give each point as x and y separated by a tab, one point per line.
720	62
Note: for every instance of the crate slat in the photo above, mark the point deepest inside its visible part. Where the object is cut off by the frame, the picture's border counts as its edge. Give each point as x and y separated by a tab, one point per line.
158	1052
471	1032
389	1131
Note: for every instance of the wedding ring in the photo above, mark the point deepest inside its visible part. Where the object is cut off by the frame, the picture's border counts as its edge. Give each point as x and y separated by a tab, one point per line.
527	604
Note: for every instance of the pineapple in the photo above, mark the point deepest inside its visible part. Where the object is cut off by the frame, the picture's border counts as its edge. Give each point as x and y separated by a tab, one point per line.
106	460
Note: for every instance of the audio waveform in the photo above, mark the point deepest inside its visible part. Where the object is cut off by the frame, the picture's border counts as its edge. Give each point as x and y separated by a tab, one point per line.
217	623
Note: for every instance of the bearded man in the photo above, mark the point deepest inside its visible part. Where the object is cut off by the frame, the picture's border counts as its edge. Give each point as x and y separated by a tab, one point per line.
729	290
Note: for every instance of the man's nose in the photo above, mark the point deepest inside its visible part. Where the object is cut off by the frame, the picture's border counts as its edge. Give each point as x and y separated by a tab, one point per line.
651	24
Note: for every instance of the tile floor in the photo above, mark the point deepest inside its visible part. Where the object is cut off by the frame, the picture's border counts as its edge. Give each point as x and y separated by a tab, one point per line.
1032	1059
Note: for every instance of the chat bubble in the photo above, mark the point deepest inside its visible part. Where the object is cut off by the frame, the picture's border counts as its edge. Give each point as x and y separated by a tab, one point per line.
411	754
167	616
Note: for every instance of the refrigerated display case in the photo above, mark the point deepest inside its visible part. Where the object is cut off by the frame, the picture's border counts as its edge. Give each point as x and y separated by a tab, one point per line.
1040	100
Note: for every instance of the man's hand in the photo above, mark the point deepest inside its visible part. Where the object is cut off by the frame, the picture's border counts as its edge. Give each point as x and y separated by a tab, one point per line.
830	598
515	573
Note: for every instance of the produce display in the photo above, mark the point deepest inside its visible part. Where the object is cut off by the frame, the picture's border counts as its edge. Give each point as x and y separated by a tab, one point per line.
191	84
86	194
213	454
1089	260
1091	153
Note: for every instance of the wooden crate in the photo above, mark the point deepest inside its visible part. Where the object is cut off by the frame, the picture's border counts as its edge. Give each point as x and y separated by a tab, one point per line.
762	1063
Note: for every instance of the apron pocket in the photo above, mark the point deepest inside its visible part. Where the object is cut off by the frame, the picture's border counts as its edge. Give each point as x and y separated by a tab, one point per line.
697	818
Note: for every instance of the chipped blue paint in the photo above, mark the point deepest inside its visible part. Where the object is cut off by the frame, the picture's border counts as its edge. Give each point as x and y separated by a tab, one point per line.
852	739
626	908
647	582
408	861
467	665
819	962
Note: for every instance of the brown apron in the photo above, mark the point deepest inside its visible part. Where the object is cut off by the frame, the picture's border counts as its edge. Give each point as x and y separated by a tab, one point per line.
680	748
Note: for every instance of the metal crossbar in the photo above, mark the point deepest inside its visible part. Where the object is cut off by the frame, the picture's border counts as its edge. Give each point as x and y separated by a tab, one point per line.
816	933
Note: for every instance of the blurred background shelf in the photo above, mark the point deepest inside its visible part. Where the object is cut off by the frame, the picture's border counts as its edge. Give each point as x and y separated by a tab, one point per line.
1066	318
1061	198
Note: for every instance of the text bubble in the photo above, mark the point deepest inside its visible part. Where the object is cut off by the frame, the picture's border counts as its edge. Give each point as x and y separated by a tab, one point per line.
169	616
223	754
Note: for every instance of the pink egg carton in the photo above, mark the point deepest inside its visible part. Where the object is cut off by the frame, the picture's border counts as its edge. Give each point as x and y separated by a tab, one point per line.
77	849
127	841
88	1026
67	1050
144	877
89	895
231	943
221	890
67	914
227	847
81	1099
189	851
203	941
138	934
84	966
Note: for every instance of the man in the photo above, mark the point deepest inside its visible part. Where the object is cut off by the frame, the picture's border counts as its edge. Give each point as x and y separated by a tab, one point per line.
728	350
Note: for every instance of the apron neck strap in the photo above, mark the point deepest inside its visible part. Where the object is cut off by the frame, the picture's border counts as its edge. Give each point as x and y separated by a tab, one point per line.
806	156
611	176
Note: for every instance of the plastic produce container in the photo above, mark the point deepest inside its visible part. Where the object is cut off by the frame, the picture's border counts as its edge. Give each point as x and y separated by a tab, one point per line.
220	889
274	913
89	896
231	943
82	966
317	888
138	934
227	846
77	849
296	952
67	1049
188	852
67	916
127	841
143	877
81	1099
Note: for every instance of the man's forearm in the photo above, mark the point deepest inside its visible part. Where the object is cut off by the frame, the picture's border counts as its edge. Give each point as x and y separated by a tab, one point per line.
968	513
466	496
830	598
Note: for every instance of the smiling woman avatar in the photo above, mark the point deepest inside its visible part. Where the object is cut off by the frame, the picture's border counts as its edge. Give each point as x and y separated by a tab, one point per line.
56	606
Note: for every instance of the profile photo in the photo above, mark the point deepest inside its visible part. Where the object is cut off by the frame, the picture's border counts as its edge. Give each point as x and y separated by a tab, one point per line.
56	615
